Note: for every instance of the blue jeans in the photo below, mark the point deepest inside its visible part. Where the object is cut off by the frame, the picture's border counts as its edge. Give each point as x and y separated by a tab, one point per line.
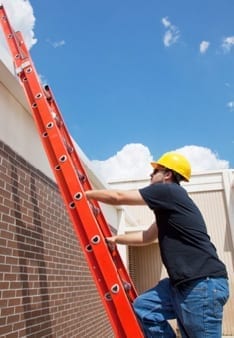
197	305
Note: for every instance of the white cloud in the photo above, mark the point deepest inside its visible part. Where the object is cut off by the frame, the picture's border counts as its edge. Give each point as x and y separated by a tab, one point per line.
230	105
204	45
56	44
172	33
228	43
166	23
202	158
133	162
21	17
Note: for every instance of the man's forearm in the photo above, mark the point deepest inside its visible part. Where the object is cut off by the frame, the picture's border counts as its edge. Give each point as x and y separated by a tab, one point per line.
116	197
136	238
133	238
105	196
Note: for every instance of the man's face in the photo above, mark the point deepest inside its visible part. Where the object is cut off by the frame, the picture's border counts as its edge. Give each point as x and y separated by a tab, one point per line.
158	175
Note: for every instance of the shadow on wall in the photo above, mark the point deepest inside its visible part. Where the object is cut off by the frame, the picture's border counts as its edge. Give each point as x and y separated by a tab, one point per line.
32	269
228	244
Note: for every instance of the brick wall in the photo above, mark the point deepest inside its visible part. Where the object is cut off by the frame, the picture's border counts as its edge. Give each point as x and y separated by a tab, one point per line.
46	289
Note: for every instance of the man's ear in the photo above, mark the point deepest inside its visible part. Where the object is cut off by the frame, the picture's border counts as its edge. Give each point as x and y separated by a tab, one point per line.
169	175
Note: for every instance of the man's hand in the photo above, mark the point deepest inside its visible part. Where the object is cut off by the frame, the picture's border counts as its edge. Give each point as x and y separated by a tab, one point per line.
111	242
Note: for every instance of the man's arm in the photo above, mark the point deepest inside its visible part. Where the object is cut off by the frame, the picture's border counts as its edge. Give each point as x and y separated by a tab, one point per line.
136	238
116	197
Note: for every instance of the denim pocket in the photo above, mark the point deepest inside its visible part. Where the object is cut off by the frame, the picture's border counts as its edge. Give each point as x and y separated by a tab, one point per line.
220	295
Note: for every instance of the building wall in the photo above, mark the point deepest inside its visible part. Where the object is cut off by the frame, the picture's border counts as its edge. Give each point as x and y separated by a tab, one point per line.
46	287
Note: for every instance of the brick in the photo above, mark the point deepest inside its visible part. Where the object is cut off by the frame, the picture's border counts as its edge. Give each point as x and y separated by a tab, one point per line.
5	329
12	335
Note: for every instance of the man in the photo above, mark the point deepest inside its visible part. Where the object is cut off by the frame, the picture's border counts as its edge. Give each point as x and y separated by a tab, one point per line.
196	288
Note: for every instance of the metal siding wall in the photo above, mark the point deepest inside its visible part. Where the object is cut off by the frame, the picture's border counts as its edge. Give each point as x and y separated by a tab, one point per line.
145	266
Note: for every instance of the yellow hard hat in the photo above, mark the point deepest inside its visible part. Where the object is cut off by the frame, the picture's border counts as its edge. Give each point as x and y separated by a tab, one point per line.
175	162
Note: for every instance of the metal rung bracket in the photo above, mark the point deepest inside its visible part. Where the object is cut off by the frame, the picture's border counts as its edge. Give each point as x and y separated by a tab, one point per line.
23	66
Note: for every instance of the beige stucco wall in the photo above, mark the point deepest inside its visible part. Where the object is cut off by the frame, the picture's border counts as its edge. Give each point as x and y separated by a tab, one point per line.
17	127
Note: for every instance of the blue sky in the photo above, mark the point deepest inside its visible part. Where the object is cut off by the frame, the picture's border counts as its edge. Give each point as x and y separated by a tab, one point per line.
153	73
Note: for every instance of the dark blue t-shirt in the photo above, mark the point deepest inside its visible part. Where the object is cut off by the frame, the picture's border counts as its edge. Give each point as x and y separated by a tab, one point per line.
185	246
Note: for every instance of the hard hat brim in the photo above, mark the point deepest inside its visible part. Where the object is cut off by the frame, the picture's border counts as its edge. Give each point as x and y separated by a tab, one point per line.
156	165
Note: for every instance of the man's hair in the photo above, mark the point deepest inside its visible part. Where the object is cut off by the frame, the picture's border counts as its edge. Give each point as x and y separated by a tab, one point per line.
177	178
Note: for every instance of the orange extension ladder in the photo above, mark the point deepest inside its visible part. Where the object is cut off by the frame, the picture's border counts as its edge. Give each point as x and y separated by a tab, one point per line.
112	280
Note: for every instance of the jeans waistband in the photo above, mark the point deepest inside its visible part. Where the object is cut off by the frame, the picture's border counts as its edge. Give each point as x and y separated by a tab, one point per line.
197	280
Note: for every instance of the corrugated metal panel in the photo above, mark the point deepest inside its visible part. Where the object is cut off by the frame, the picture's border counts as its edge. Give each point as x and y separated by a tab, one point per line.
145	266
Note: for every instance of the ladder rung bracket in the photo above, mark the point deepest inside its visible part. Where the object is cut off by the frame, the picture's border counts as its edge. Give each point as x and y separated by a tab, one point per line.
22	67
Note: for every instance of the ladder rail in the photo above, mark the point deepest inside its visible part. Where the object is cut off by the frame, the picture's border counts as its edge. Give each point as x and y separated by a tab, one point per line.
110	275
